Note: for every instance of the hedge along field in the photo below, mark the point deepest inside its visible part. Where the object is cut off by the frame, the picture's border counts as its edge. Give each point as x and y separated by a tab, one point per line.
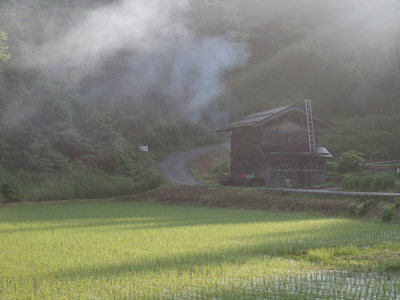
142	250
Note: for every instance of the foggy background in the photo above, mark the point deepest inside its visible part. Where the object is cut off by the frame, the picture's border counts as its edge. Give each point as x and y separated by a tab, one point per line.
135	52
83	83
202	60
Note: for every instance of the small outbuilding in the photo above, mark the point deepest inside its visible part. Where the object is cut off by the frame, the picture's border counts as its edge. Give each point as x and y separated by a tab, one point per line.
280	147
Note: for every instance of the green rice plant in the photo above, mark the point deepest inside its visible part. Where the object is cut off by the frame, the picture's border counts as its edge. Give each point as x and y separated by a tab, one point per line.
388	212
132	250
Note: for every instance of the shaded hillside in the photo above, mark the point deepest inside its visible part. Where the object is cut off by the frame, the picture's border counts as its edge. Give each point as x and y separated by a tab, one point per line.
83	83
377	136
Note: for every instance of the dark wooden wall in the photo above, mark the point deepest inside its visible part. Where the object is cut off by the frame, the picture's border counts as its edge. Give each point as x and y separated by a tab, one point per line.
285	135
246	157
295	171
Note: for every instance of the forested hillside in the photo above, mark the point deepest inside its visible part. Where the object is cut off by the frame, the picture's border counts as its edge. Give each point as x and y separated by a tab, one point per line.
344	55
83	83
75	107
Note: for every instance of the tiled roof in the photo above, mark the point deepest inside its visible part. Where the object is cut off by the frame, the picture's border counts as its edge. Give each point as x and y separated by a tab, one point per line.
265	116
255	118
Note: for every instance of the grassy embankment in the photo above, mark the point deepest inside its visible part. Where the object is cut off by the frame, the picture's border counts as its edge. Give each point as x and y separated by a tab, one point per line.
138	250
364	207
77	183
115	174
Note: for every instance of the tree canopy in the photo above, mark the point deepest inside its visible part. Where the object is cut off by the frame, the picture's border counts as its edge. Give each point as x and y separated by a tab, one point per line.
80	86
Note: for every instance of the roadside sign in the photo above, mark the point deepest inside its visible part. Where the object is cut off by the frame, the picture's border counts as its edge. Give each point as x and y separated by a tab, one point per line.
144	148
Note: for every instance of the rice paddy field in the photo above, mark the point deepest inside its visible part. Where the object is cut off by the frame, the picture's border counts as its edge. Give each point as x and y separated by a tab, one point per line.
141	250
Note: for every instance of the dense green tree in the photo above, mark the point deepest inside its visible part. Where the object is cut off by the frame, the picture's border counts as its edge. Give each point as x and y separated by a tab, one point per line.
351	161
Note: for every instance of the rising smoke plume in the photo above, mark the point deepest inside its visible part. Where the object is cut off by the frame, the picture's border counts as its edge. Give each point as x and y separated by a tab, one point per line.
168	61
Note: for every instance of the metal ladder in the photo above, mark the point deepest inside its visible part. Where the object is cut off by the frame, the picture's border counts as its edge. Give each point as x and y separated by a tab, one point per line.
310	127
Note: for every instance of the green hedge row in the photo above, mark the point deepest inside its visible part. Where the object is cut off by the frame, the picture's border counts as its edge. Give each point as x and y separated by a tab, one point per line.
369	182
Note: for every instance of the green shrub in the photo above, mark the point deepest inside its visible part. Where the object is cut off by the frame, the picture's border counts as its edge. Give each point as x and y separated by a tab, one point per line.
397	202
351	161
388	213
366	182
369	182
356	210
222	166
152	181
384	182
361	209
2	199
352	209
351	181
331	166
10	193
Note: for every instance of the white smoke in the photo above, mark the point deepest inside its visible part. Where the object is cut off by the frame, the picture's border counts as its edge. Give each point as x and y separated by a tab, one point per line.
169	59
139	25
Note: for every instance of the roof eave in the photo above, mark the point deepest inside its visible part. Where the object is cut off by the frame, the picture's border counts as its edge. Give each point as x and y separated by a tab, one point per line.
293	108
232	128
275	116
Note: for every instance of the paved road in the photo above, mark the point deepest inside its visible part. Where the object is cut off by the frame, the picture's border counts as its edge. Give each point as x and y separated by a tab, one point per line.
176	166
342	193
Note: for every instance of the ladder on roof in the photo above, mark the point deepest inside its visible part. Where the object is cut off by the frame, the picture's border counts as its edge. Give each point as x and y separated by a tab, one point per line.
310	127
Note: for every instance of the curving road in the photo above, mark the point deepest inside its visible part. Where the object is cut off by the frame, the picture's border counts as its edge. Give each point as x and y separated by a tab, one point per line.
176	166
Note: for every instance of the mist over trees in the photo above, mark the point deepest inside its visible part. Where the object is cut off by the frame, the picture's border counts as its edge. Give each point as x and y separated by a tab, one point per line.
173	60
85	82
342	54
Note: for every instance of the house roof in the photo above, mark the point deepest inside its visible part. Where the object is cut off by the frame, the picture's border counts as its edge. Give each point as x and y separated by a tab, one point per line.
264	117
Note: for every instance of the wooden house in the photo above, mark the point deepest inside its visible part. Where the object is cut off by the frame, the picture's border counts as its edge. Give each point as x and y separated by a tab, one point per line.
280	147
